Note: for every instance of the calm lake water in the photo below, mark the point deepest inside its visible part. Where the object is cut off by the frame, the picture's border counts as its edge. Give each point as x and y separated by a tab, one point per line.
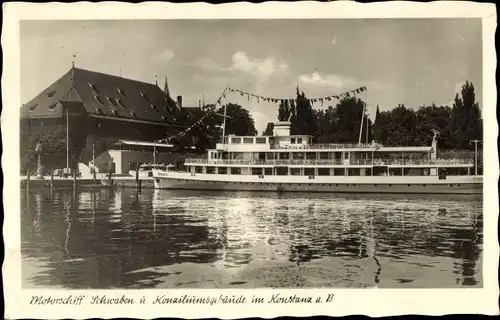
172	239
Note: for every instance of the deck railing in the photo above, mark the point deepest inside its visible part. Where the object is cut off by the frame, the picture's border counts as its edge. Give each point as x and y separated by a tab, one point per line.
333	146
376	162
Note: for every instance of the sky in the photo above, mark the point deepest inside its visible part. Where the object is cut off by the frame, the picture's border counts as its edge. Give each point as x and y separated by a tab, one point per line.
401	61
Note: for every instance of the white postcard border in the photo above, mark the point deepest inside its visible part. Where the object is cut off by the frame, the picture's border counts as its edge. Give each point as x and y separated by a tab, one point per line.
373	302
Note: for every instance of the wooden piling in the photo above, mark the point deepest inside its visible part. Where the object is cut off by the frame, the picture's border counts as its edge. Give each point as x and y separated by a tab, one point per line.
74	179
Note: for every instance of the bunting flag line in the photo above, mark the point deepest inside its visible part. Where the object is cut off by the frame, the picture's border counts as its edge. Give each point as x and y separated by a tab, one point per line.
209	113
321	100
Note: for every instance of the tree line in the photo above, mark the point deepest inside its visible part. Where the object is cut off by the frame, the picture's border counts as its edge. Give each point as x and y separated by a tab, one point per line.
457	124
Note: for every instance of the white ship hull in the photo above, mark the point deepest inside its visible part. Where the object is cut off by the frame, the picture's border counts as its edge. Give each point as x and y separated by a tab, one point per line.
327	184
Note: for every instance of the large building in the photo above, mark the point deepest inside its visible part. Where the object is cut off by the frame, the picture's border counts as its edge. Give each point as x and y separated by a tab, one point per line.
97	110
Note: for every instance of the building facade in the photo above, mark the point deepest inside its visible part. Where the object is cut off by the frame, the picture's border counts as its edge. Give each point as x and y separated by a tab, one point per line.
95	110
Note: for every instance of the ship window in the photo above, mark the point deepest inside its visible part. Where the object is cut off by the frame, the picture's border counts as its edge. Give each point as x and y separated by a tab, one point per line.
268	171
33	107
292	140
93	87
247	140
51	94
299	140
260	140
235	140
222	170
235	170
210	170
52	106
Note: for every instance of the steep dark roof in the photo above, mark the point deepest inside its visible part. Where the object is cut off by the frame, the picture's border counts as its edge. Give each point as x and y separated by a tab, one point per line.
105	95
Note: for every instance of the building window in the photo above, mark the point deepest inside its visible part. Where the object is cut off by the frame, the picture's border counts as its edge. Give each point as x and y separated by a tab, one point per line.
51	94
299	140
33	107
292	140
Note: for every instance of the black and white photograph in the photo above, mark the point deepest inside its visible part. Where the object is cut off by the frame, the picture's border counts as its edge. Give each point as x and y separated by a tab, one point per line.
306	153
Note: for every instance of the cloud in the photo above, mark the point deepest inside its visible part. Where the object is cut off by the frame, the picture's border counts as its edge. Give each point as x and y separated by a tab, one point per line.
167	54
329	80
336	81
261	69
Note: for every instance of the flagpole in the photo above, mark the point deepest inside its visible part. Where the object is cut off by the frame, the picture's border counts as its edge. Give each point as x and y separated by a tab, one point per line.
225	113
154	151
67	140
362	119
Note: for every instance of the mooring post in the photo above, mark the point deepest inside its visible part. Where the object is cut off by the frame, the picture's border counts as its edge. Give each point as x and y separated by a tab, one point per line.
137	180
51	179
28	179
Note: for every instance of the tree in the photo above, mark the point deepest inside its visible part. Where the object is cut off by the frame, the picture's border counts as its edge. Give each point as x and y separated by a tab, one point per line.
433	118
208	132
285	111
347	119
304	120
53	151
466	121
269	129
401	127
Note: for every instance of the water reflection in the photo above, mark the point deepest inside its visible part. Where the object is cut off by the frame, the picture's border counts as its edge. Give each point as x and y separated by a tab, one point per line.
125	239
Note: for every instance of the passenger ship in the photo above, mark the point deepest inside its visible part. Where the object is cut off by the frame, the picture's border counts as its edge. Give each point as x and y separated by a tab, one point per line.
285	162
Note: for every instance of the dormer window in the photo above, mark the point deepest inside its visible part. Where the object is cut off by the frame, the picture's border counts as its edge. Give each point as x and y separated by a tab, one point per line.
119	102
121	92
52	106
93	87
164	118
292	140
133	114
98	110
98	99
51	94
153	107
115	112
145	97
33	107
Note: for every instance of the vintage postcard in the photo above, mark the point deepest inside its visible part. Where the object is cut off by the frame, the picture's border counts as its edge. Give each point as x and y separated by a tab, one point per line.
249	160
